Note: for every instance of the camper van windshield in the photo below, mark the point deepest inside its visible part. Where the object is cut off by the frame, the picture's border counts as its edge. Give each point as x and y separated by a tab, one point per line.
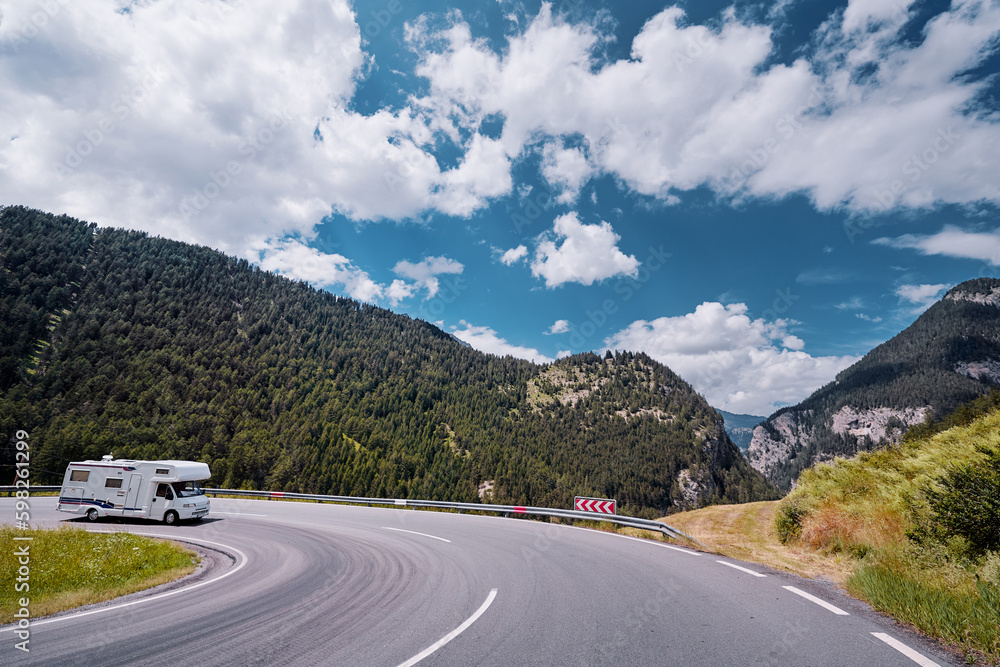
187	489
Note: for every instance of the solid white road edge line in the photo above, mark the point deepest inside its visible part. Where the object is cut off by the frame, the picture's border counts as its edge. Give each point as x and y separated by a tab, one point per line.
637	539
454	633
237	513
813	598
155	597
413	532
741	569
906	650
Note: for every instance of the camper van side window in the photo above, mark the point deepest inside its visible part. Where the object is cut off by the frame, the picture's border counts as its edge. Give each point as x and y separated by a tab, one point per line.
162	471
79	475
113	483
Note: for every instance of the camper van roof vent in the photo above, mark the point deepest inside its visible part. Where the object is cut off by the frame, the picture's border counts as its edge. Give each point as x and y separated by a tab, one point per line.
108	457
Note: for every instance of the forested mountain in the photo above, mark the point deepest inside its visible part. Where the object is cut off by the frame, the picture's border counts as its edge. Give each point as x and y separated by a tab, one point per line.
740	427
113	341
948	357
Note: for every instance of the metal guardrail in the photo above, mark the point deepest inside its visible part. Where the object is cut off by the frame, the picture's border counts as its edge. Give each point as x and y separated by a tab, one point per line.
507	510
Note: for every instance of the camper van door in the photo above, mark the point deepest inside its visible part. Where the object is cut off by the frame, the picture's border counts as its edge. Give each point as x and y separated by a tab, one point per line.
162	501
132	497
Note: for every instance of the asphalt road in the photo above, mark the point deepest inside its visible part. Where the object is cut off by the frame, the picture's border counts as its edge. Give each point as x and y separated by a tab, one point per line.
308	584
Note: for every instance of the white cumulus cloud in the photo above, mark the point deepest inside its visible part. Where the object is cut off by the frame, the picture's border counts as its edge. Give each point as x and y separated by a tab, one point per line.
921	296
425	272
221	123
399	291
866	118
951	242
487	340
567	169
575	252
514	255
558	327
743	365
298	261
229	124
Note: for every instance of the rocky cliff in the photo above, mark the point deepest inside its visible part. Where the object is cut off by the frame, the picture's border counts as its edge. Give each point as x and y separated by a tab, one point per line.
950	355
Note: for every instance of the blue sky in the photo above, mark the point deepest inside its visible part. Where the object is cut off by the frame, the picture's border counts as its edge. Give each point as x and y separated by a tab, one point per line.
754	194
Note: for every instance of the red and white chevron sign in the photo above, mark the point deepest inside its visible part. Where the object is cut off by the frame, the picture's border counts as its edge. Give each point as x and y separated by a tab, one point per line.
597	505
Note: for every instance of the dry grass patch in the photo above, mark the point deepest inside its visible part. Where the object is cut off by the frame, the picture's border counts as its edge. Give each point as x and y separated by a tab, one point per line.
831	529
746	532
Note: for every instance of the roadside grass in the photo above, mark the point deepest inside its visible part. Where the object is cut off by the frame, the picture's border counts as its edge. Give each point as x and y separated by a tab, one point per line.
70	567
874	507
746	532
965	614
865	523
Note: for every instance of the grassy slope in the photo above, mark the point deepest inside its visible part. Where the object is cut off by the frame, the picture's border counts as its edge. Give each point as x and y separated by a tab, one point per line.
747	532
70	568
858	511
869	501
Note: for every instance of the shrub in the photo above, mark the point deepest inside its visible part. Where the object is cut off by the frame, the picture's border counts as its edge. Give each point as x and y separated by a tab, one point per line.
966	501
990	570
788	521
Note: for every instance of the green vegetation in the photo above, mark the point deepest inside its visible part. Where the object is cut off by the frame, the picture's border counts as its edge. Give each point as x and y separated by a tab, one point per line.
966	615
966	502
963	416
115	342
919	367
788	521
70	567
922	522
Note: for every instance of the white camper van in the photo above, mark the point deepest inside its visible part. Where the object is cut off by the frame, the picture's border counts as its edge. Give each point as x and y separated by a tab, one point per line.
165	491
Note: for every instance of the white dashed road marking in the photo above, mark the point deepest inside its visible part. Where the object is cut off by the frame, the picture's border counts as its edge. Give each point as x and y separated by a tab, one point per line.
413	532
905	650
813	598
741	569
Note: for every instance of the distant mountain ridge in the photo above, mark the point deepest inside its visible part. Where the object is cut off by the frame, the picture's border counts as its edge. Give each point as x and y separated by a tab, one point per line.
111	340
740	427
947	357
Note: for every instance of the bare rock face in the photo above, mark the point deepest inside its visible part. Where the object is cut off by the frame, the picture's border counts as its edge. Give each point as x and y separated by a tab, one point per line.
987	369
990	298
486	490
770	449
695	486
876	424
767	451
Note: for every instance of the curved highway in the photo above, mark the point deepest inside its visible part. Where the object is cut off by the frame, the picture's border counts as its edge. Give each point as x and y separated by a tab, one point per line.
310	584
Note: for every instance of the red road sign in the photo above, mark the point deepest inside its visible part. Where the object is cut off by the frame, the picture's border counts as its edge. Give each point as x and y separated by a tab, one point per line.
596	505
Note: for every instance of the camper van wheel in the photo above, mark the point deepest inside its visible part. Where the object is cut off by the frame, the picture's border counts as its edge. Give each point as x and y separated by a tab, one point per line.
92	515
170	518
